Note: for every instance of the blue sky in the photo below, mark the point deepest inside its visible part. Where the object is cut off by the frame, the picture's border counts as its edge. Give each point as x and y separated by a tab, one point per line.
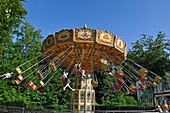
125	18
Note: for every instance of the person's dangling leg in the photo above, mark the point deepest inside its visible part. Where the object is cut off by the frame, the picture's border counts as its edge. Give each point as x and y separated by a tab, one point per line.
70	88
83	73
3	75
66	86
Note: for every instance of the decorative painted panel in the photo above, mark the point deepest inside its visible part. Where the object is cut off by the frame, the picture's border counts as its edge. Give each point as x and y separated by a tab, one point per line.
105	37
85	34
125	53
120	44
49	41
64	35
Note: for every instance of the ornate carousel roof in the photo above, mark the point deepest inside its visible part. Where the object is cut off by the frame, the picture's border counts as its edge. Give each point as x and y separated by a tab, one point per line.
89	47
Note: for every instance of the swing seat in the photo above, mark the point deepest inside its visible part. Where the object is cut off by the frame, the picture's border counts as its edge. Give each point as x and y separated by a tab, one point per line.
149	83
20	77
116	86
127	92
142	79
143	87
34	87
52	67
118	74
13	81
17	81
42	83
143	72
18	70
132	91
157	78
94	83
41	90
121	82
31	83
131	87
136	88
154	84
105	67
39	74
26	85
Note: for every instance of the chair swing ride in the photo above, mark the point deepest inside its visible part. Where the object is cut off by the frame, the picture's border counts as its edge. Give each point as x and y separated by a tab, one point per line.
84	51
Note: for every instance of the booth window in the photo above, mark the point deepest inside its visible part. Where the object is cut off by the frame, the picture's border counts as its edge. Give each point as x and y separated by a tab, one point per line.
82	95
93	96
88	108
81	107
88	95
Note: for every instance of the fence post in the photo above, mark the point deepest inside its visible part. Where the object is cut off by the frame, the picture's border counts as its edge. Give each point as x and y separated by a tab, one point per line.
23	109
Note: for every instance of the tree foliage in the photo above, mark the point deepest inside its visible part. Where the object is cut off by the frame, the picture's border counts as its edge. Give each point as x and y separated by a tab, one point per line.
11	14
152	53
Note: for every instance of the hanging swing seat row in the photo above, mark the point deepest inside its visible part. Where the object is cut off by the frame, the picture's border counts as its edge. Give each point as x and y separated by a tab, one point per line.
144	72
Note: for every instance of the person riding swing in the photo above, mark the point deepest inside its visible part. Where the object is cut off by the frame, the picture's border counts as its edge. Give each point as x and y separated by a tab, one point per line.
7	75
80	70
67	81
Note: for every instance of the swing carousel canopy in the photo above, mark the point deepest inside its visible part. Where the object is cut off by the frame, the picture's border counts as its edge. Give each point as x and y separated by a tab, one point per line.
89	44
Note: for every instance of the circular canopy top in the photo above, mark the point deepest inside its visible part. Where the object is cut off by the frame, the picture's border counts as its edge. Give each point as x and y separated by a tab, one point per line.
90	46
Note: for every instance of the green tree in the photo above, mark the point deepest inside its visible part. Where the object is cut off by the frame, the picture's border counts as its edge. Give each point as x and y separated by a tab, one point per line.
11	14
27	46
152	53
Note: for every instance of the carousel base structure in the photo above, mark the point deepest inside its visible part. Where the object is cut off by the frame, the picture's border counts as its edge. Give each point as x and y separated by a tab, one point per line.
83	98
